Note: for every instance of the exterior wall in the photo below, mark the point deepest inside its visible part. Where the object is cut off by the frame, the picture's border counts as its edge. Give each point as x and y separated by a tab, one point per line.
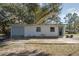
45	31
64	30
20	30
17	31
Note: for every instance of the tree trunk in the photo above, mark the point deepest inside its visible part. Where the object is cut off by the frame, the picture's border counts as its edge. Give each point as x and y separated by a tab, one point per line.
69	28
74	27
3	28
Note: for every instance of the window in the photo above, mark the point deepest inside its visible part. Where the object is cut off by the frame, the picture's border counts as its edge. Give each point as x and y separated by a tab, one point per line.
52	29
38	29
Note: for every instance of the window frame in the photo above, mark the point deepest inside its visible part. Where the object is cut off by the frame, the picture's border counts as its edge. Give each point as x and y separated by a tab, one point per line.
52	29
38	29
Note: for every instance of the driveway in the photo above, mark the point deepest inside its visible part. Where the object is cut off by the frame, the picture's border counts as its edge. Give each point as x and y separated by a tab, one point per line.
43	46
75	39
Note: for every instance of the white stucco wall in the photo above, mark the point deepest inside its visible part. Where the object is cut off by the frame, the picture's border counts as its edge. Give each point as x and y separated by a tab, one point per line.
45	30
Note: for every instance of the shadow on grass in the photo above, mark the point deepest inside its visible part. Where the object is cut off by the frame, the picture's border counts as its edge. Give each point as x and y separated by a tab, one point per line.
3	45
50	37
29	53
3	42
72	54
28	38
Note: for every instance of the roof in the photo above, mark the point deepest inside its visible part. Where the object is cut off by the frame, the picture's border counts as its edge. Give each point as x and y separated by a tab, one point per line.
36	24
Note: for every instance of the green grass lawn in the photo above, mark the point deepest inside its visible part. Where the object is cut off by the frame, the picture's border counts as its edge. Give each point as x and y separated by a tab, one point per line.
77	34
72	34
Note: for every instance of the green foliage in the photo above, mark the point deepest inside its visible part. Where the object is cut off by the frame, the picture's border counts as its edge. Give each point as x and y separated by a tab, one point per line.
72	21
29	13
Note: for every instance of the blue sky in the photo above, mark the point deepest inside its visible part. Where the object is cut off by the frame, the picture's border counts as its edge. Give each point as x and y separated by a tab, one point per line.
69	8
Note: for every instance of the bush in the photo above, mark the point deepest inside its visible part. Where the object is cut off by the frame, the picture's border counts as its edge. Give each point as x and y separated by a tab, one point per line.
71	36
67	36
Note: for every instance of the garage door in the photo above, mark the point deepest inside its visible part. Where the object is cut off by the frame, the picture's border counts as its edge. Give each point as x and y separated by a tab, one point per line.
18	31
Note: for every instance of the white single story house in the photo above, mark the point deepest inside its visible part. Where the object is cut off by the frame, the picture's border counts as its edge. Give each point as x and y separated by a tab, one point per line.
43	30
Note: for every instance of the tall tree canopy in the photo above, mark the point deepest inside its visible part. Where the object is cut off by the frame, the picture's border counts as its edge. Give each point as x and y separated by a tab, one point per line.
30	13
72	21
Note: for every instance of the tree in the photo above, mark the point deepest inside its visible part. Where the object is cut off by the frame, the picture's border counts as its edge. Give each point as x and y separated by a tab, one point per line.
32	10
76	22
74	17
3	20
72	21
47	11
55	20
29	13
18	10
23	12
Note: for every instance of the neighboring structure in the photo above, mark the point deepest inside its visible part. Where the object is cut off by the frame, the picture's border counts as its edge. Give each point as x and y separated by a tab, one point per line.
44	30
